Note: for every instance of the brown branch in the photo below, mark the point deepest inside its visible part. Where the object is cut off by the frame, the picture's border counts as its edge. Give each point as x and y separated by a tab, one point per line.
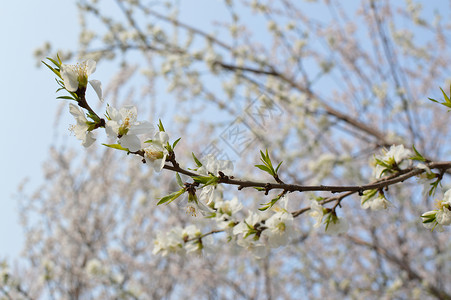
378	184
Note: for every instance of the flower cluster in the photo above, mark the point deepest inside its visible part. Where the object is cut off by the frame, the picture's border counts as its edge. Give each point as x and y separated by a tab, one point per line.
182	241
441	216
368	200
122	124
75	77
257	233
328	217
212	166
391	161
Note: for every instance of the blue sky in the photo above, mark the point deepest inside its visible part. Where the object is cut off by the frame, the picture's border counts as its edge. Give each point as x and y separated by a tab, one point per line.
27	100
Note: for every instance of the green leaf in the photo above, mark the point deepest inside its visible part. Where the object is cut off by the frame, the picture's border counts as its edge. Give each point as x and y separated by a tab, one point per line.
66	97
445	96
179	180
417	155
278	166
434	187
198	163
270	203
171	197
116	146
56	63
201	179
260	189
206	180
160	125
264	168
175	143
447	101
429	220
57	73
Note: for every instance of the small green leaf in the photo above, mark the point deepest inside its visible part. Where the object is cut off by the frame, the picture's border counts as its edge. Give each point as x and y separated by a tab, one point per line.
57	73
171	197
278	166
260	189
160	125
198	163
58	64
429	220
434	187
175	143
264	168
66	97
445	96
417	155
201	179
179	180
270	203
206	180
116	146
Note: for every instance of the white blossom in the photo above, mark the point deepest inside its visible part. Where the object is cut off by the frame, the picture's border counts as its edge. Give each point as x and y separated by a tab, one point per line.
212	165
169	242
226	212
279	229
81	128
122	125
396	156
441	216
316	212
76	76
337	225
368	200
156	153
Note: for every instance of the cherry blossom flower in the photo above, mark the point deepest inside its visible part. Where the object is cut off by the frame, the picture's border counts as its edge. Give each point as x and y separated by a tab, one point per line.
211	165
81	128
225	214
369	200
394	158
316	212
76	76
194	242
334	225
169	242
439	217
155	153
122	125
247	234
279	229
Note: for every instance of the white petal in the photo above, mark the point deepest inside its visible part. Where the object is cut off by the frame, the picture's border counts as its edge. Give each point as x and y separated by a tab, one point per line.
129	111
131	142
70	78
111	128
78	114
113	113
162	136
88	140
141	128
443	217
97	86
90	66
